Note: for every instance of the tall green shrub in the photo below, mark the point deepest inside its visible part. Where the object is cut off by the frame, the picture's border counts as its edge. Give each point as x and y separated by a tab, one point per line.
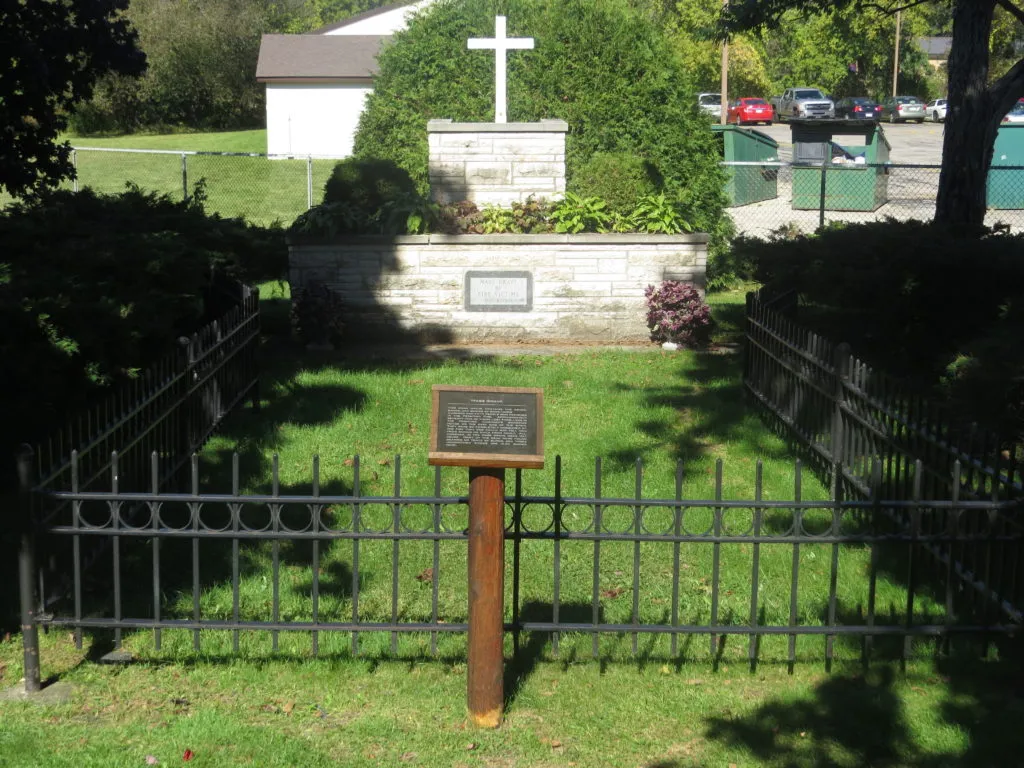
601	65
618	178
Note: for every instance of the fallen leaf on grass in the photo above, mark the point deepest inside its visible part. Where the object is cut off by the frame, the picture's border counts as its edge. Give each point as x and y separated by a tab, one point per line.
415	381
385	462
471	745
188	755
407	756
287	708
613	592
412	428
320	711
348	462
425	575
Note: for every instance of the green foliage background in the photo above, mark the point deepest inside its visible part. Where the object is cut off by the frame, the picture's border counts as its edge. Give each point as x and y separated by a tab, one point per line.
603	66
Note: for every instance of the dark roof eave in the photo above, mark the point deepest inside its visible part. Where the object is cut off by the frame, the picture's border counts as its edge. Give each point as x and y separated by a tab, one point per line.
318	79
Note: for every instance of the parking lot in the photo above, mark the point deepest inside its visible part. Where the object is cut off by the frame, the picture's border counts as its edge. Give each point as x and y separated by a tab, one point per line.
909	192
911	143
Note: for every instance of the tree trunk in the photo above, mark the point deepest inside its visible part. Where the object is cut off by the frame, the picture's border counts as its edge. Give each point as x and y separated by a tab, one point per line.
971	121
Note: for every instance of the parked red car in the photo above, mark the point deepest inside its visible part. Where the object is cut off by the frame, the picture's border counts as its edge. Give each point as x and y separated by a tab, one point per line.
749	110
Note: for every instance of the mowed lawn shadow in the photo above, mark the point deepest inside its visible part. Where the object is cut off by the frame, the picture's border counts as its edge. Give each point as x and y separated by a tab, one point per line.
710	413
862	719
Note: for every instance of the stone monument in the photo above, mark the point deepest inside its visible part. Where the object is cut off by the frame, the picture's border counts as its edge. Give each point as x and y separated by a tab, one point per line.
497	163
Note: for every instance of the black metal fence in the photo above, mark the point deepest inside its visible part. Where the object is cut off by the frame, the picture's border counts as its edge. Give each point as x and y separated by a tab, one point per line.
888	443
615	568
169	410
802	197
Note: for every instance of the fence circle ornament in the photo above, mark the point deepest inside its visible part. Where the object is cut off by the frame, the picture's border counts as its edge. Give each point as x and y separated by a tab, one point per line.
340	514
416	518
204	525
254	508
733	520
652	513
532	520
615	515
283	526
127	524
578	518
695	516
105	511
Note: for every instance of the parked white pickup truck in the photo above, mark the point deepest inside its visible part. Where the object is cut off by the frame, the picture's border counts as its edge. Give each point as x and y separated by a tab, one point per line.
802	102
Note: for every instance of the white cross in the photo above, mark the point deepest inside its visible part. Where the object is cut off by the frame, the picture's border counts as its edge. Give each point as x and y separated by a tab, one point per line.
501	45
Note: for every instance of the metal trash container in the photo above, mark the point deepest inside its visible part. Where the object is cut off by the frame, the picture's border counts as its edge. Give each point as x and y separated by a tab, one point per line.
1005	187
748	184
855	179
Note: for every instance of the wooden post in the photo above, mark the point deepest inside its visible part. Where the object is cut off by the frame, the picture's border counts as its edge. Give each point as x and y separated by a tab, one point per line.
487	429
486	693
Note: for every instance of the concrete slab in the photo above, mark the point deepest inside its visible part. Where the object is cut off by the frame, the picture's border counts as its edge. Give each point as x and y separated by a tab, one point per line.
54	693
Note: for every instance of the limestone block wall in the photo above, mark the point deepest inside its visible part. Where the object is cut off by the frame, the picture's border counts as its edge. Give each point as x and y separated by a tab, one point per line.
580	287
496	163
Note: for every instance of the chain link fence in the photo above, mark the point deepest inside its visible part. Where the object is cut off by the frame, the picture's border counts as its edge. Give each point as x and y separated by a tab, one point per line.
765	196
260	188
768	196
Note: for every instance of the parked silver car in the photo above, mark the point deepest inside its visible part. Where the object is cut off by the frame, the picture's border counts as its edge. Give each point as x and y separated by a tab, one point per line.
937	110
900	109
710	103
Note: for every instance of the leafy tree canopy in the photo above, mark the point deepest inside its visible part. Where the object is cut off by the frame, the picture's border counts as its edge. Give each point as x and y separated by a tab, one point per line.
979	94
51	52
603	66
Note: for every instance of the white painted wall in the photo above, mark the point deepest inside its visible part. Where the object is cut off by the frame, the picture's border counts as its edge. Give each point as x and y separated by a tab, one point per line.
386	23
314	119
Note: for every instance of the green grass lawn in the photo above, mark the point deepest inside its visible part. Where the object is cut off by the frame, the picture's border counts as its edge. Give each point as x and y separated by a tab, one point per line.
650	709
261	190
662	408
271	712
215	141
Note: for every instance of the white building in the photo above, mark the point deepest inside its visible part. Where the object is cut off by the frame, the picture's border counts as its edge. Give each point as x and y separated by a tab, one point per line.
317	83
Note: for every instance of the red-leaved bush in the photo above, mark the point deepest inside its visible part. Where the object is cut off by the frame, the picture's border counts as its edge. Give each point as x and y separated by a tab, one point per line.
676	312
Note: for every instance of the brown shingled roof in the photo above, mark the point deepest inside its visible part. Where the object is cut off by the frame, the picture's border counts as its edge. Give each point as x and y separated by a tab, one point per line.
329	57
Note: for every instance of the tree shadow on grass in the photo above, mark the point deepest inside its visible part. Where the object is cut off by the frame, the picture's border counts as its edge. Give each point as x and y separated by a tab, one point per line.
862	719
710	412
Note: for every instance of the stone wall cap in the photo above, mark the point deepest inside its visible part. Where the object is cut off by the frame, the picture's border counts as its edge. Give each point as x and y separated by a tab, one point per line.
611	238
544	126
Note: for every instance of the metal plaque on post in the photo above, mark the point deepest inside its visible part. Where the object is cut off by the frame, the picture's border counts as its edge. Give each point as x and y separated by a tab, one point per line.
487	427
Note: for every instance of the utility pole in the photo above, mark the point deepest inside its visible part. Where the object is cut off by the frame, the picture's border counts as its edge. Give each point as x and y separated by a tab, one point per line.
896	57
725	74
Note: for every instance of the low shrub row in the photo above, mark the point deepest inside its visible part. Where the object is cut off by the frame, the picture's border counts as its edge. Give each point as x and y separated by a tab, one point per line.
941	309
95	287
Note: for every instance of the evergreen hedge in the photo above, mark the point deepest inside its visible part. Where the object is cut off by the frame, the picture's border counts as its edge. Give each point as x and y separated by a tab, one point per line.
603	66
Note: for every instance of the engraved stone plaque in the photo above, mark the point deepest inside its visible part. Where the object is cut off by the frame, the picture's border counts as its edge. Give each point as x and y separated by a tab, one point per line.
498	291
487	427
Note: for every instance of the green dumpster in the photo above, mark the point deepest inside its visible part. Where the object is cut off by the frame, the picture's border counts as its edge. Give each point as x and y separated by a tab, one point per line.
1006	185
854	178
748	184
